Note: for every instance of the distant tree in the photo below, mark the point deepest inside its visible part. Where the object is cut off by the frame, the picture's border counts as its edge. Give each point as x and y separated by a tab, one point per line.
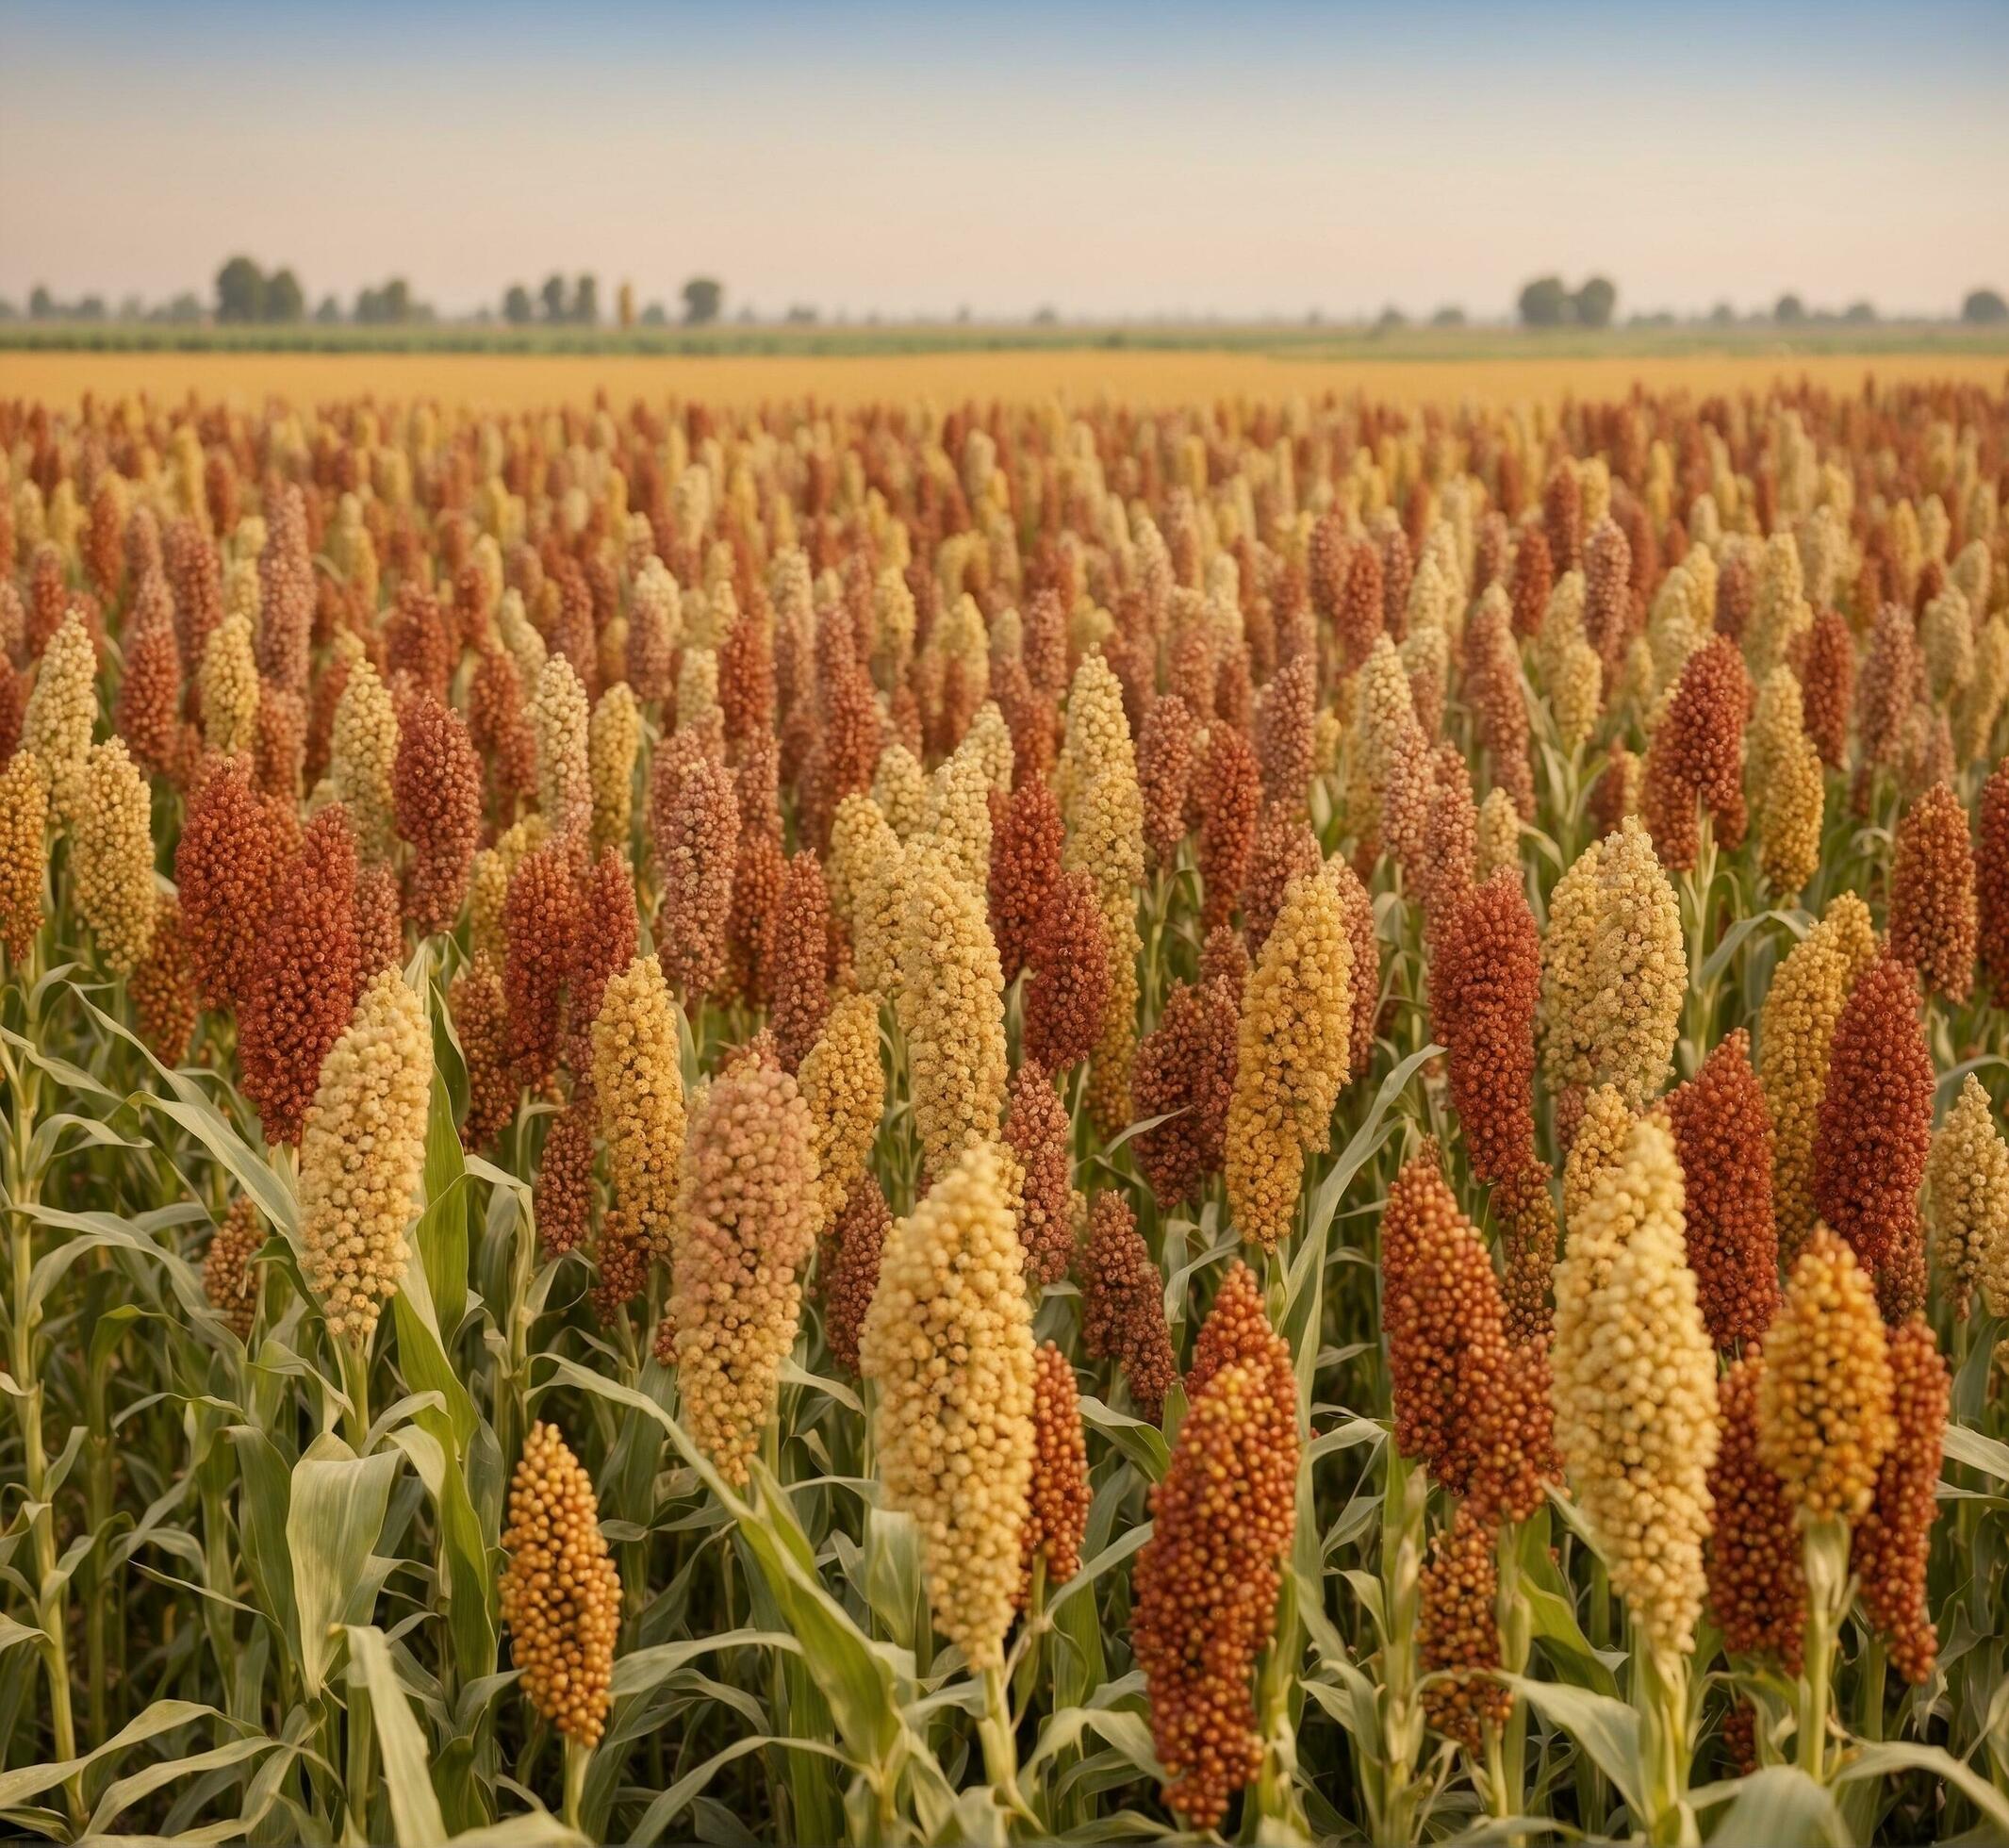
1045	317
397	299
585	302
517	308
748	314
1594	303
1389	317
800	315
132	309
1723	315
187	307
285	300
41	305
1788	310
90	308
1985	307
1859	313
626	303
1450	314
1545	303
7	310
703	296
655	315
552	296
329	312
240	290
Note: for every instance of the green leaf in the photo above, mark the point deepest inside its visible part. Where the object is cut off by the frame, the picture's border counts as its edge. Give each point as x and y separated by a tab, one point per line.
126	1791
17	1787
414	1807
1607	1729
265	1495
441	1235
336	1514
1144	1444
1778	1807
1900	1754
1986	1453
464	1573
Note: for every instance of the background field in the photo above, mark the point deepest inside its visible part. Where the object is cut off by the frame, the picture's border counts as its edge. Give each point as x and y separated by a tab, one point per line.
738	367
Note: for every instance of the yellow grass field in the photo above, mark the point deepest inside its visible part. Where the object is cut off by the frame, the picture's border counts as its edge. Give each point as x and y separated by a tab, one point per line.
517	382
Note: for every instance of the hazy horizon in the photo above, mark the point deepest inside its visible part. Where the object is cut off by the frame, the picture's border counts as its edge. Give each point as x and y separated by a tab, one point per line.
1263	163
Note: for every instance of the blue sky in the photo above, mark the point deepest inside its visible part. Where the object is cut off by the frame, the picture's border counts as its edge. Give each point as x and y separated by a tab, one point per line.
1232	159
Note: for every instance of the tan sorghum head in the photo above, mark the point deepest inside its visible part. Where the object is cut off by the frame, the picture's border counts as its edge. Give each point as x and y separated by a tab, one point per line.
638	1085
1967	1179
111	855
948	1342
362	1153
950	1008
62	709
230	1279
363	754
560	1596
24	861
1634	1388
1825	1402
1795	1031
866	876
1638	966
614	743
560	720
1568	982
746	1227
843	1083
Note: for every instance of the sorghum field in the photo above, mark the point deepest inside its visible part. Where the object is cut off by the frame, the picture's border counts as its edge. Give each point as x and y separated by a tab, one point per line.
760	1122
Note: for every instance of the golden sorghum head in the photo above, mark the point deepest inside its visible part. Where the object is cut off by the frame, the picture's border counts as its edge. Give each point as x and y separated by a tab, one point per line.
949	1342
1205	1585
481	1021
1569	979
798	953
1116	1048
1934	914
959	812
561	722
1758	1591
1634	1388
1722	1134
1485	981
866	876
363	754
1794	1034
1293	1057
24	857
162	986
843	1083
1790	804
1039	1135
1025	869
1165	773
1874	1132
1459	1633
64	708
362	1153
560	1596
638	1085
1602	1131
1824	1401
1106	805
1123	1305
1056	1504
1066	993
614	743
1893	1541
436	792
230	1279
951	1009
1967	1194
1185	1073
1497	843
847	1259
303	984
1392	759
899	786
1639	965
746	1228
